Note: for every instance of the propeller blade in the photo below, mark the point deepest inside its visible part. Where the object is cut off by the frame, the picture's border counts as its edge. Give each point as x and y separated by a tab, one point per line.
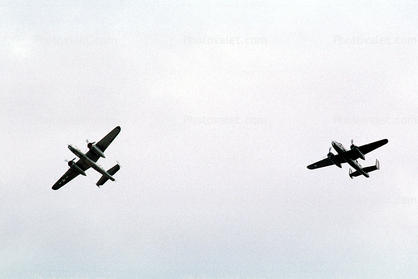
89	145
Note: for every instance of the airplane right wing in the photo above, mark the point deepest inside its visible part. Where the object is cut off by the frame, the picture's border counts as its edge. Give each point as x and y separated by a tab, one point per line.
67	177
107	140
366	148
372	146
104	143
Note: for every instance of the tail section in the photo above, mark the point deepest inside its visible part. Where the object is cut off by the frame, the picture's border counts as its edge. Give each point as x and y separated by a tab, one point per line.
366	169
111	171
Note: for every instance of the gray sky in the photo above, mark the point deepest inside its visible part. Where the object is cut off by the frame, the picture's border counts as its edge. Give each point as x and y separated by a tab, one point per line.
222	106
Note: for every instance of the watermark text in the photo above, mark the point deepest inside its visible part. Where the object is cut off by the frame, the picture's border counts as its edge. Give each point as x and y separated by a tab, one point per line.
77	40
374	40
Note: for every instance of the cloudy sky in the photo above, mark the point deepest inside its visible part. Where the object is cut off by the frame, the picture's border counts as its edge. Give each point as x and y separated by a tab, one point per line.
222	106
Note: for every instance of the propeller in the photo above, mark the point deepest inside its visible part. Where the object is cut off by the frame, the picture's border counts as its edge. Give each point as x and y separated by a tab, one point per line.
70	162
90	143
352	146
329	152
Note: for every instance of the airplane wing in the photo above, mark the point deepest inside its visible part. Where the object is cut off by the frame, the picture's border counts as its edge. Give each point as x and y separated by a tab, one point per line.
104	143
326	162
366	148
67	177
70	174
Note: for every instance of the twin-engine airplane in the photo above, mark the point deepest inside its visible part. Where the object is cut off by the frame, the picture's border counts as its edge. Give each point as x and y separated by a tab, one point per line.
89	160
350	157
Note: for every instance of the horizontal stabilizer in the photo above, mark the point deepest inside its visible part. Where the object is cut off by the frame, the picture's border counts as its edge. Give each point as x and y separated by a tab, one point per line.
111	171
366	169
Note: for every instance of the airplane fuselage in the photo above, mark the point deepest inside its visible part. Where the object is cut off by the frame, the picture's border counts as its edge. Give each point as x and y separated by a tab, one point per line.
342	151
91	163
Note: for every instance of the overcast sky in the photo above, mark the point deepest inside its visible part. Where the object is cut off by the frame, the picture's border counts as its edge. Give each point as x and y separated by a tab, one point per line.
222	106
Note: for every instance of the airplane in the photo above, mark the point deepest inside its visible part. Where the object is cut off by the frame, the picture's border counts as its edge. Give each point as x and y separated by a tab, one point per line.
89	160
350	156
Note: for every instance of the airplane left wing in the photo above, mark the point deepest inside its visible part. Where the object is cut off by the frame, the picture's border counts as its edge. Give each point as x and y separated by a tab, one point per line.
326	162
67	177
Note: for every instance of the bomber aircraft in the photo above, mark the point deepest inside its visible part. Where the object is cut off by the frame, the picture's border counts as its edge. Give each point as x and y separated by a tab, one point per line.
350	156
89	160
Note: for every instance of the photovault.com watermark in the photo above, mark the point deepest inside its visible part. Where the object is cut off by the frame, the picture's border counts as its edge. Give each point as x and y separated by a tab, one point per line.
224	120
374	40
225	40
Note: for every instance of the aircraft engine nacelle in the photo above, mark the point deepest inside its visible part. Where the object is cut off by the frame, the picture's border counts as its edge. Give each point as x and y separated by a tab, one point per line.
76	168
357	150
95	149
331	157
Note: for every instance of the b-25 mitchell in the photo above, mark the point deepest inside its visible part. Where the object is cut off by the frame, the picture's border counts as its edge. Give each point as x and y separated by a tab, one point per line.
350	156
89	160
